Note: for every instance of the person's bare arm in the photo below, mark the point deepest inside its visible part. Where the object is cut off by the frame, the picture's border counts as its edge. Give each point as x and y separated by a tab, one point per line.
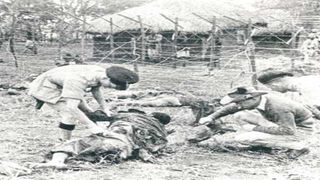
72	107
97	94
224	111
84	107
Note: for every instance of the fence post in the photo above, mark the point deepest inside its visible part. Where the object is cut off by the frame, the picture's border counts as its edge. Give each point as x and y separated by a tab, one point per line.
134	53
11	39
251	53
293	47
83	30
143	38
83	37
175	40
34	48
212	44
204	48
111	40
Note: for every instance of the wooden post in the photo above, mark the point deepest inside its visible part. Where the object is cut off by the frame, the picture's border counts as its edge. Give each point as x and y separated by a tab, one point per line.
134	53
134	46
143	39
34	48
33	30
51	36
60	45
11	39
83	33
251	54
293	47
212	44
111	40
175	40
204	49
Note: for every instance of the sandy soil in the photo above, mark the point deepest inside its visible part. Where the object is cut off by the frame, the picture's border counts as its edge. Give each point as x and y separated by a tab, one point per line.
26	134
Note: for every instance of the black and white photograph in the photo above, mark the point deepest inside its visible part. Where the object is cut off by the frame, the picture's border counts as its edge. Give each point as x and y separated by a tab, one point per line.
159	89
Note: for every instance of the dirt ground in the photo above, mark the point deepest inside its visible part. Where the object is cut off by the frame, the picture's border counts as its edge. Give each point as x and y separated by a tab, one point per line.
26	134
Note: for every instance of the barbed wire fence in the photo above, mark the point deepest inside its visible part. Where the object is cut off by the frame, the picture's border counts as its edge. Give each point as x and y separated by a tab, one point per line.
203	52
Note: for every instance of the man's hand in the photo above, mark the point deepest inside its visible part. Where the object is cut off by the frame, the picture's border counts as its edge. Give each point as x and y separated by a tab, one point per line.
248	127
205	120
109	113
97	130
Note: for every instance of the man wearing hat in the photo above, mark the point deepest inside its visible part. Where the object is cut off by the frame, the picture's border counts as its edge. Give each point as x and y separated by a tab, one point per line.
63	88
263	117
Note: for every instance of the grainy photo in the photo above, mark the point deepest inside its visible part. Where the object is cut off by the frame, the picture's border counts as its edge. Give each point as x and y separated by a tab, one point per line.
159	89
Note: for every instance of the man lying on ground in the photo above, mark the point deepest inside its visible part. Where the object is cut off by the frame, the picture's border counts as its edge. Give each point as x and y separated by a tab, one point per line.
304	89
156	98
263	119
63	89
130	134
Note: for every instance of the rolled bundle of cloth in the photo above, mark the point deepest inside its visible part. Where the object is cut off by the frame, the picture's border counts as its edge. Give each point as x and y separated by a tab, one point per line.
129	134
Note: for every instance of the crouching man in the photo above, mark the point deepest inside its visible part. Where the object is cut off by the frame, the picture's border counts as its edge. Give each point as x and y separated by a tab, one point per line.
263	119
64	88
130	134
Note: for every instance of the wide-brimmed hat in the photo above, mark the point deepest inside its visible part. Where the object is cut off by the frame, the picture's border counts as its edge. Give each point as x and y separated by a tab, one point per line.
119	75
269	74
241	93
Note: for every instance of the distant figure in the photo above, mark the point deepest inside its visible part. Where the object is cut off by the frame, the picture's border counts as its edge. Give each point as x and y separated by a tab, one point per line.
310	47
30	46
154	46
183	53
68	59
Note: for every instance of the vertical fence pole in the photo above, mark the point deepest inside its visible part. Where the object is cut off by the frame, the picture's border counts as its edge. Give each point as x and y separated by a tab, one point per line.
11	39
33	38
34	48
251	54
143	40
134	47
83	33
134	53
204	48
60	44
212	44
111	40
175	40
293	47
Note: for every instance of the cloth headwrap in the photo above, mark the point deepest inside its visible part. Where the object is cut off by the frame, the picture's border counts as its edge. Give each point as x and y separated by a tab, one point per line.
122	76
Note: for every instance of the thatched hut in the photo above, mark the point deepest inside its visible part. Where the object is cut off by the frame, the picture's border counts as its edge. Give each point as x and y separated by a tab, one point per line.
182	23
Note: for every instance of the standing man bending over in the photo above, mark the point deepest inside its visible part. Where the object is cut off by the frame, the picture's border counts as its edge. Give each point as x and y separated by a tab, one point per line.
63	89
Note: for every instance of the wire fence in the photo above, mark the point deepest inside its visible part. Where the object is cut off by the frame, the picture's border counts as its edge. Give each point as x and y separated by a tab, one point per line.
222	49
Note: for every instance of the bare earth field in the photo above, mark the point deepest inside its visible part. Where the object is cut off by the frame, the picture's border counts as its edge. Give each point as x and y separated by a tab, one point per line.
26	134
